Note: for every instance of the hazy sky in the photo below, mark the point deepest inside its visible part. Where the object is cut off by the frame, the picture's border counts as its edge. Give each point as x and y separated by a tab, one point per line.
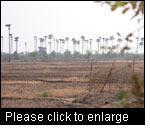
62	19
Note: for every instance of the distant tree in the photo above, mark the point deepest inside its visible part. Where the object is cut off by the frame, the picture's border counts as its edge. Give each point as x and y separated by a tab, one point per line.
11	40
53	54
49	47
76	54
142	43
25	47
63	42
60	40
33	55
90	41
78	44
67	39
112	39
35	43
137	38
45	39
74	43
16	56
98	40
50	37
83	39
57	45
106	44
42	52
88	55
103	46
16	40
67	53
119	42
54	43
41	41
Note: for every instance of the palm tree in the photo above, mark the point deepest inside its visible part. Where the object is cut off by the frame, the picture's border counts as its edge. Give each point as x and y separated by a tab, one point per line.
98	40
103	47
83	39
142	43
63	42
50	47
45	37
11	45
74	43
57	43
35	43
137	44
112	39
142	39
54	43
50	37
8	25
99	43
25	47
106	44
60	44
90	41
119	42
16	40
41	41
87	41
78	43
67	39
2	43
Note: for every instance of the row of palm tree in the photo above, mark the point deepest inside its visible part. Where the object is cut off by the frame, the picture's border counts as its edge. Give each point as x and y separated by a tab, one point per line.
10	39
103	44
58	44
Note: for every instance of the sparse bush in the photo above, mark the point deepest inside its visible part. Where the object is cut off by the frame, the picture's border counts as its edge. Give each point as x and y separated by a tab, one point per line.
137	92
44	94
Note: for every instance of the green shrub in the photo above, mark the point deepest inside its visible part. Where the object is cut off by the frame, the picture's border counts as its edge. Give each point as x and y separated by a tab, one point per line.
44	94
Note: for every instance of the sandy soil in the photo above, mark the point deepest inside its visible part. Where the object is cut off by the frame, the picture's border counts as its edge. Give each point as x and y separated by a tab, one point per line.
67	84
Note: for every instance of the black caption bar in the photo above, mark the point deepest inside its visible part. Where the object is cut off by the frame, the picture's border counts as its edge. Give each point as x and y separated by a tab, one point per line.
72	116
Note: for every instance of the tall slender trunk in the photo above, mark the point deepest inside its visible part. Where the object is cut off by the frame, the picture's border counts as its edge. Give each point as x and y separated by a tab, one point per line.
54	43
100	46
57	47
25	48
11	45
73	48
91	47
45	44
50	47
82	45
137	45
16	46
60	47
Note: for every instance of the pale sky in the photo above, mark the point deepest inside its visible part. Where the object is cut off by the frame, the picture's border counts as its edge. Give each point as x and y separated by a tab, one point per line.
63	19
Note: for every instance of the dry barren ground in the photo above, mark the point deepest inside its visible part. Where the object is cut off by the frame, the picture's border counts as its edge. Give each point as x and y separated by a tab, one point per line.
64	84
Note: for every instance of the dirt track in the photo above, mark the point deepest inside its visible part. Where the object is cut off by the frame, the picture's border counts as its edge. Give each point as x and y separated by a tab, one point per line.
67	84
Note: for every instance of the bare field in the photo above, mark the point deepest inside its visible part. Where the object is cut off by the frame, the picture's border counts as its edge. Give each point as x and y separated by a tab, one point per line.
65	84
